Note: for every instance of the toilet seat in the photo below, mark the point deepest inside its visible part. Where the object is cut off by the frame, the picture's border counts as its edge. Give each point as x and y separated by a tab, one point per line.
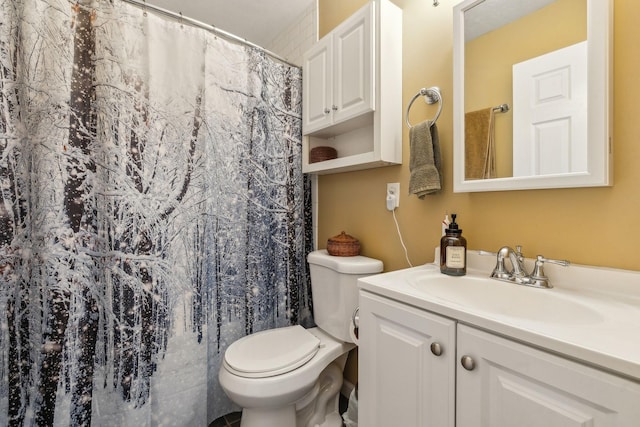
271	352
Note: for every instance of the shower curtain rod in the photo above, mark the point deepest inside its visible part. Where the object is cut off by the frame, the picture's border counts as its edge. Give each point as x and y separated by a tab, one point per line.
222	33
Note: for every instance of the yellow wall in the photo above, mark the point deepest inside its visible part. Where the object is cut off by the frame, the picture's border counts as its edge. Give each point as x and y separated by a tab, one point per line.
596	226
489	63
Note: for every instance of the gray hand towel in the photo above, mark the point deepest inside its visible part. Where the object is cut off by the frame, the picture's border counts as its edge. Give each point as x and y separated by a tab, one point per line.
425	159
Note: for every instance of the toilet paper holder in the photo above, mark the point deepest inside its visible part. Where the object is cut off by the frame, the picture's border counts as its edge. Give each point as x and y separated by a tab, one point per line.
355	321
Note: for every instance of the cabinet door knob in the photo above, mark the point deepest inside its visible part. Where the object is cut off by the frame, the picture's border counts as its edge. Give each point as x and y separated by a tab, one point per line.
327	111
436	348
334	107
468	363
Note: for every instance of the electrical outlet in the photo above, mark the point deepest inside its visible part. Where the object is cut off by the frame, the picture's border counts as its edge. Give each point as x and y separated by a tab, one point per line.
392	198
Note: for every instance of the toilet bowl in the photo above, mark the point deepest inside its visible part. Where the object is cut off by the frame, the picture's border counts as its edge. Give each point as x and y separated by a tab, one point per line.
292	376
274	400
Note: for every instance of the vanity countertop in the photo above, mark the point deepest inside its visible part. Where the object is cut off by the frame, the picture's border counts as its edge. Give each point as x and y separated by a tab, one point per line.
591	314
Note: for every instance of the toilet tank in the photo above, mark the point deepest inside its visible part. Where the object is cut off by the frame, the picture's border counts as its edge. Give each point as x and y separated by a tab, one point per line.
335	289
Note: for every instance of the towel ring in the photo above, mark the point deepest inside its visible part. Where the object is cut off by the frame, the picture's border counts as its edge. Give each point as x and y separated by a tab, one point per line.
431	96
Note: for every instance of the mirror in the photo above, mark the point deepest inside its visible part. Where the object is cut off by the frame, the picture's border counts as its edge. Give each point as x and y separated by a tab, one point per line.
532	88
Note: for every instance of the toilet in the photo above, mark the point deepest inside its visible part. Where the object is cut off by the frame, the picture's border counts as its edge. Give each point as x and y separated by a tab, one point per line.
292	376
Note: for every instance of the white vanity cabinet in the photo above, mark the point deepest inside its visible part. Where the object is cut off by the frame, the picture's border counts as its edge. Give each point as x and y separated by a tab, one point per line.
406	363
480	379
352	92
507	384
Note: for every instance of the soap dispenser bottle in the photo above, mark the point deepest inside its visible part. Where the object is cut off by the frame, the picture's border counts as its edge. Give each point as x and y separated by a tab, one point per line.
453	251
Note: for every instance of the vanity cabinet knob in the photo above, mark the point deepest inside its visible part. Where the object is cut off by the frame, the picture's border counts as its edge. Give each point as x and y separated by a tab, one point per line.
436	348
468	363
327	111
334	108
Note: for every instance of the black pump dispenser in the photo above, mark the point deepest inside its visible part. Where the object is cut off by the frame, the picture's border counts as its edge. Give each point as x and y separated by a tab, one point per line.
454	225
453	250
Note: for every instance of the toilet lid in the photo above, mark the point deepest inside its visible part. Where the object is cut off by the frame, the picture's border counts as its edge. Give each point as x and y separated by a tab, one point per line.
271	352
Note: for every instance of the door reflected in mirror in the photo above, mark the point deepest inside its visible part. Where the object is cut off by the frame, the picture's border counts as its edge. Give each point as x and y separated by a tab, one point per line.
543	60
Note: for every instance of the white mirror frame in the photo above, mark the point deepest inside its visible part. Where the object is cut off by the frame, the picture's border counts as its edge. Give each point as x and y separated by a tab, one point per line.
600	90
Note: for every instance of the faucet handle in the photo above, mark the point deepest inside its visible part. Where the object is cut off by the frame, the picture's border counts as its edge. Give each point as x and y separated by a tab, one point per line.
538	276
520	257
562	262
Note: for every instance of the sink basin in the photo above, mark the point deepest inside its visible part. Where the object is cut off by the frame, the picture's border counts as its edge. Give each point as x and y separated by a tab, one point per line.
476	292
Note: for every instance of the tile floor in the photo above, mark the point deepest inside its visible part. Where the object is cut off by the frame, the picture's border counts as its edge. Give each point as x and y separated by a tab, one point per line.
229	420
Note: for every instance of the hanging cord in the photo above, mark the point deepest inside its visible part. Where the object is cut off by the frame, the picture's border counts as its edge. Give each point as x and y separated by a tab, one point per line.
406	253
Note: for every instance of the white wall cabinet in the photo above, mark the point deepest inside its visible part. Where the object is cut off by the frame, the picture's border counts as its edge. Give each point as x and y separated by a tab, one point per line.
352	91
501	382
339	74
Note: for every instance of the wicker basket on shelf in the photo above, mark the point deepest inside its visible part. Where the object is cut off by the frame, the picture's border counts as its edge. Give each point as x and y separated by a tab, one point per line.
320	154
343	245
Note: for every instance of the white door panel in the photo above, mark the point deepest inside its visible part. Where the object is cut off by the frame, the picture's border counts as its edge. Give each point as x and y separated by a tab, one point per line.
353	93
317	85
402	382
513	385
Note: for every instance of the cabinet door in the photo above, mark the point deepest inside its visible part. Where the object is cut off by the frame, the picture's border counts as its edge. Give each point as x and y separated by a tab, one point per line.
515	385
317	78
401	382
353	92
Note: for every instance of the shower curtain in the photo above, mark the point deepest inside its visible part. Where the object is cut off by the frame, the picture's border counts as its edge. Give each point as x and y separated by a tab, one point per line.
152	211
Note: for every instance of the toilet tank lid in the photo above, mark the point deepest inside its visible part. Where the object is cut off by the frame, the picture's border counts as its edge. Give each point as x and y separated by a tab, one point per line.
346	264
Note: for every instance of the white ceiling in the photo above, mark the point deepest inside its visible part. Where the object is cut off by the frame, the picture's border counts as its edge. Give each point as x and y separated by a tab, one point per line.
258	21
491	14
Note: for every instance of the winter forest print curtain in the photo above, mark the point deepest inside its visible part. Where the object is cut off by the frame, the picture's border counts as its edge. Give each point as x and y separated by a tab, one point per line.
152	211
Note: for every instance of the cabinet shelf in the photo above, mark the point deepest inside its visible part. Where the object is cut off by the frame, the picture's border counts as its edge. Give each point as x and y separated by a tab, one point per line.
346	164
355	148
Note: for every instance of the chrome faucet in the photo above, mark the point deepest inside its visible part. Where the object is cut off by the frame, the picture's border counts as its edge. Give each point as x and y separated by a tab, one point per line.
518	272
517	264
